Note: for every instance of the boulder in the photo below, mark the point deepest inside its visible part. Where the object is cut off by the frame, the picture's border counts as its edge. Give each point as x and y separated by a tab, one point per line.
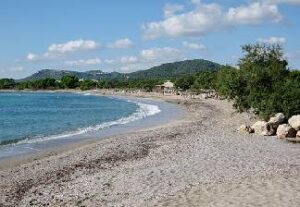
278	119
271	129
294	121
245	129
298	134
285	131
260	127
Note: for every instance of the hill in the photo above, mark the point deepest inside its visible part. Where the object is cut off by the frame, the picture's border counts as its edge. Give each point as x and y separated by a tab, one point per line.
164	71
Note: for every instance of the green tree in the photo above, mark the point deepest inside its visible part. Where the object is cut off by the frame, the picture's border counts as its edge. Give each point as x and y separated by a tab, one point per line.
7	83
184	82
204	80
69	81
87	84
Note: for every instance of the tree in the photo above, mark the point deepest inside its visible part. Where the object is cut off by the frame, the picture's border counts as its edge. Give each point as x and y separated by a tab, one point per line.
87	84
204	80
184	82
69	81
7	83
262	82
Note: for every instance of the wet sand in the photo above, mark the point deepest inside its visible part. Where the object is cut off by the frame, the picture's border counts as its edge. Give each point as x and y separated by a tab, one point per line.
198	161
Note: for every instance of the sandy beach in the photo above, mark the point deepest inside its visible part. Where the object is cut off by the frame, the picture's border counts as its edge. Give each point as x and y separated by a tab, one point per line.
199	160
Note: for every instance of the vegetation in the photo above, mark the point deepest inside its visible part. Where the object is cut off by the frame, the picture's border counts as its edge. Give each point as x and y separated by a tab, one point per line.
69	81
7	83
262	82
165	71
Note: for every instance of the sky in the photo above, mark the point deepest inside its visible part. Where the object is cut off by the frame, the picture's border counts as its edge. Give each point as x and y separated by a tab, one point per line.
125	36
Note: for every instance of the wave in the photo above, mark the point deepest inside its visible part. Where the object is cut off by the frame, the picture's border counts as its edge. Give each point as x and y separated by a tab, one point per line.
143	111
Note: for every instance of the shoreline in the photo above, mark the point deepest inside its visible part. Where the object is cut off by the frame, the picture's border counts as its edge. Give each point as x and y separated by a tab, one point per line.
198	159
118	130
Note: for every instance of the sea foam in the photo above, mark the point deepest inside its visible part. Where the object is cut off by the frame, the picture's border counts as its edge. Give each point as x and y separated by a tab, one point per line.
143	111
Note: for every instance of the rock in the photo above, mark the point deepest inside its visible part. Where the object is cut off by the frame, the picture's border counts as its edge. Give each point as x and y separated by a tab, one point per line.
271	129
278	119
298	134
285	131
294	121
245	129
260	127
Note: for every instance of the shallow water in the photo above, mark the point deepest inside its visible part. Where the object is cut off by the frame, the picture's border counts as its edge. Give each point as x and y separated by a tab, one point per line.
31	116
93	117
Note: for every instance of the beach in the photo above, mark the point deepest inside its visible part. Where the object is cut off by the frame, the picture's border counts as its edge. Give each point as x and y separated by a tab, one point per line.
197	160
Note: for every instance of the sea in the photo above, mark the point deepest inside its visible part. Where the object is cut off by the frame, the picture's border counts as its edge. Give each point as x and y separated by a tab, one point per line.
30	118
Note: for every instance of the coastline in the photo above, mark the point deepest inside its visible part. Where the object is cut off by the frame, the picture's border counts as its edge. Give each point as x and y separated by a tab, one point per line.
50	147
193	160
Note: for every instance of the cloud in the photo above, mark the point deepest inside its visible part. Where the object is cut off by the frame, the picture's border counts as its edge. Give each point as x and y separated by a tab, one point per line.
272	40
32	57
172	9
151	57
58	50
158	54
194	46
82	62
121	44
73	46
129	59
205	18
254	13
109	61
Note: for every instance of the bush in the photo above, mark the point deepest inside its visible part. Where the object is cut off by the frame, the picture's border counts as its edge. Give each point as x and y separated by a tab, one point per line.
262	82
204	80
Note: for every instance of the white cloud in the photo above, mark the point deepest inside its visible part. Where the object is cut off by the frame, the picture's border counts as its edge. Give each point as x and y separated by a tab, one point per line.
32	57
161	54
254	13
194	46
206	18
82	62
128	59
151	57
73	46
109	61
121	44
57	50
272	40
172	9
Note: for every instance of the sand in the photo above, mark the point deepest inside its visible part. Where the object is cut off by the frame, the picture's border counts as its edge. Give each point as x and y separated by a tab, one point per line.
198	161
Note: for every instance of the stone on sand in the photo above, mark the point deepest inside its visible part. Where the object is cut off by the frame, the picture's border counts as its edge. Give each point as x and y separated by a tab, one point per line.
278	119
285	131
245	129
294	121
260	127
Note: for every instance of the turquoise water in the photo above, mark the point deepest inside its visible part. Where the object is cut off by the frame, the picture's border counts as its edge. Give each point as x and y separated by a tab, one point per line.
26	117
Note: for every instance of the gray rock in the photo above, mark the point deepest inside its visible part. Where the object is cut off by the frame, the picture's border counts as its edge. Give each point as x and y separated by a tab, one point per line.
278	119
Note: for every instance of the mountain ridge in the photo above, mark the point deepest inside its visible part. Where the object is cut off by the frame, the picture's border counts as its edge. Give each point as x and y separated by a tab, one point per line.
166	70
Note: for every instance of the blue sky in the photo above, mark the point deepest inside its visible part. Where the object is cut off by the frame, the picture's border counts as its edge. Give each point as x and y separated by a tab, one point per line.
131	35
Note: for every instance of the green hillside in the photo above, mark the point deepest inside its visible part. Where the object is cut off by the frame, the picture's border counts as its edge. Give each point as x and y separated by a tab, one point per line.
163	71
